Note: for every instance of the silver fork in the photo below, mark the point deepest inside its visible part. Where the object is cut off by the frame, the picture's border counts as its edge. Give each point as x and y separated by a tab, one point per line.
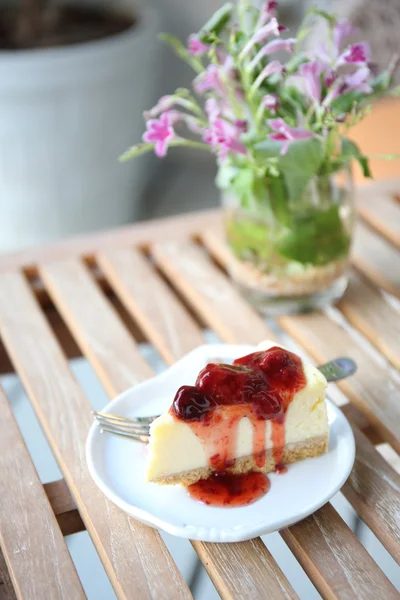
138	428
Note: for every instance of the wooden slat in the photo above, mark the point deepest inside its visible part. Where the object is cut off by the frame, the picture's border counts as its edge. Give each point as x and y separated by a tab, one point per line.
372	388
257	577
66	287
90	317
367	310
209	292
359	420
150	302
7	591
373	489
336	561
64	507
36	554
377	259
381	212
134	555
87	245
194	275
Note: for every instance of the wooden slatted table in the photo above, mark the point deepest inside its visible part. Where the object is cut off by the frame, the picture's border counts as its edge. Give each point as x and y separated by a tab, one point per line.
163	282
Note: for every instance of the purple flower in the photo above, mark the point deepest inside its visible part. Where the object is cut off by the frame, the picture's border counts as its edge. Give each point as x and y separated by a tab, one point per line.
159	132
270	102
271	48
223	138
341	32
355	54
286	134
311	73
196	47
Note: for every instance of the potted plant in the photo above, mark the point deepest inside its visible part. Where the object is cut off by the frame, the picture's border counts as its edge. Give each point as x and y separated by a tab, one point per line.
276	116
70	75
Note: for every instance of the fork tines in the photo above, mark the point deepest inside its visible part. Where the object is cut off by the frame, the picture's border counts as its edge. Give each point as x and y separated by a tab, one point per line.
136	428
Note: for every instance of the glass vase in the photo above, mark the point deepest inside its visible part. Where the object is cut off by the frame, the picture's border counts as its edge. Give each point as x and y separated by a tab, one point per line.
290	253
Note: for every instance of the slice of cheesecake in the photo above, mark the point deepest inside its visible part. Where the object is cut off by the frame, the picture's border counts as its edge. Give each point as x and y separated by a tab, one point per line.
259	414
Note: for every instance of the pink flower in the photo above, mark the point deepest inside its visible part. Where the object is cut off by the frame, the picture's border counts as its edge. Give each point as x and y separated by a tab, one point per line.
209	80
272	68
266	12
286	134
212	109
164	103
241	125
196	47
311	73
330	78
270	102
271	48
356	53
159	132
191	122
341	32
357	81
223	138
271	28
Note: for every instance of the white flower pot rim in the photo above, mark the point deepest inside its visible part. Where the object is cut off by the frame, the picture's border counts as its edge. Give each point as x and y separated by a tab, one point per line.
19	68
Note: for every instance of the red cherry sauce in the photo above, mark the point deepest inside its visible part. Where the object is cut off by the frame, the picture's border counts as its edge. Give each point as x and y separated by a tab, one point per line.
225	489
259	386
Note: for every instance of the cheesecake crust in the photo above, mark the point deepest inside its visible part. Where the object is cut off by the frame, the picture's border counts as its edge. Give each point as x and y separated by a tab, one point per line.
292	453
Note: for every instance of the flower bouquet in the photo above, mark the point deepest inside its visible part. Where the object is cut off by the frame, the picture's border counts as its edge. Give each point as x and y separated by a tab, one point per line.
276	115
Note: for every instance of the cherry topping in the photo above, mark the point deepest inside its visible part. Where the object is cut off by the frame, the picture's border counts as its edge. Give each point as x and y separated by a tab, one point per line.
226	489
282	369
190	404
259	386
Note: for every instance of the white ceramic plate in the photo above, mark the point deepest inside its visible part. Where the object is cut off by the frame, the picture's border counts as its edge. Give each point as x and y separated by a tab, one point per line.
117	465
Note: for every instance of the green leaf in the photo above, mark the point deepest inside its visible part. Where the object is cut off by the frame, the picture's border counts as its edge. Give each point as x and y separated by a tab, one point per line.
136	151
226	174
350	150
243	185
382	82
344	103
316	238
300	163
267	149
217	22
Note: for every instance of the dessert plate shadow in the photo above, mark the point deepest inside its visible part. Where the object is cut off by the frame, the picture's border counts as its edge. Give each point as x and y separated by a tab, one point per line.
117	466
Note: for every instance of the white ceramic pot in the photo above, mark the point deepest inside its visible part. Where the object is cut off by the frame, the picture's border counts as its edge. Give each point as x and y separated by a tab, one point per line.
66	114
